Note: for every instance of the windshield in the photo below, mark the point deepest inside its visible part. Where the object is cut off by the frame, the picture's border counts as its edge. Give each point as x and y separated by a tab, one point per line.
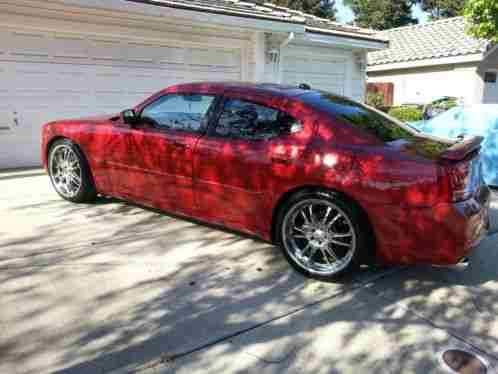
375	122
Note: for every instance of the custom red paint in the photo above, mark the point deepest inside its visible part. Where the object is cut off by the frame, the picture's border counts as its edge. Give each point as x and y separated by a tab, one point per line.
405	188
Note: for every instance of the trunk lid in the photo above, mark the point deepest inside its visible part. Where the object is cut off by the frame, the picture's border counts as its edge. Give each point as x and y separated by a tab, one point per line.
438	149
458	162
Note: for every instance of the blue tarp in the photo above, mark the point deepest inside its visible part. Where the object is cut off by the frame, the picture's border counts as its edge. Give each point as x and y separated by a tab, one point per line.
477	120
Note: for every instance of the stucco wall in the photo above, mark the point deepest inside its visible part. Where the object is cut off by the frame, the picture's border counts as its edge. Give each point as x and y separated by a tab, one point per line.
420	85
490	90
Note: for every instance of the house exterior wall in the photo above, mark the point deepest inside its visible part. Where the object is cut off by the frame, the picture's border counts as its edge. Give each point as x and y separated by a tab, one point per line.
423	84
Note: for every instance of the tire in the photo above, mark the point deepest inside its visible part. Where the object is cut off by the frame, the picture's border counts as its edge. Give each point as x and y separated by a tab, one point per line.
298	237
71	176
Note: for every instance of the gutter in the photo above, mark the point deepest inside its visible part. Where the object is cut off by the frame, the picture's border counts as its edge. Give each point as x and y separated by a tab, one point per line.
351	35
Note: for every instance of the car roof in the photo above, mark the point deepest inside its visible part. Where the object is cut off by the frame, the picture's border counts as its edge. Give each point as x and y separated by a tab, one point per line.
246	87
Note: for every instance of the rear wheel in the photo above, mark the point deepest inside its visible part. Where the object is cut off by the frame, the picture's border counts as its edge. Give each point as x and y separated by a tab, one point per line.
70	173
323	235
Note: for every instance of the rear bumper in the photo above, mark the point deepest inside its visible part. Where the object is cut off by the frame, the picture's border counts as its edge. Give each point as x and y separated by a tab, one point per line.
475	213
439	235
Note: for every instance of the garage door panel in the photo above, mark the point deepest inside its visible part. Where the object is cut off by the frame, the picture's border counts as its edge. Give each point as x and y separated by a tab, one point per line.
206	57
71	78
30	77
6	121
171	55
30	44
149	53
69	46
107	50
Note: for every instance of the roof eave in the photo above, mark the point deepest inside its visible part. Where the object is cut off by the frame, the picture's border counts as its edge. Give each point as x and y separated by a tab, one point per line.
345	39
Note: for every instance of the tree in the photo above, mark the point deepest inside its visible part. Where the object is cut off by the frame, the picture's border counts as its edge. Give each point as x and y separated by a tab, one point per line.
319	8
482	16
442	8
382	14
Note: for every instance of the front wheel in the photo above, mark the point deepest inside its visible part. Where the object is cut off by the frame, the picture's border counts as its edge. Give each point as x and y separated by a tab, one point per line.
70	173
322	235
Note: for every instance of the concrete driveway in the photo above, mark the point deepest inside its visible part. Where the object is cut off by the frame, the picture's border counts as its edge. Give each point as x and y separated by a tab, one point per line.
114	288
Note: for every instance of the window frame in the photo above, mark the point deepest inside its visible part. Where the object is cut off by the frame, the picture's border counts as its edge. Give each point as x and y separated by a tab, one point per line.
220	106
493	73
203	127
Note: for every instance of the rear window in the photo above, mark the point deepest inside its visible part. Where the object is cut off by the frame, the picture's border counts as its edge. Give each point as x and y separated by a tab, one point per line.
370	120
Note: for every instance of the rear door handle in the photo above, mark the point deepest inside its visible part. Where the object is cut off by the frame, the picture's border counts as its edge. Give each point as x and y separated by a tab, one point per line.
281	159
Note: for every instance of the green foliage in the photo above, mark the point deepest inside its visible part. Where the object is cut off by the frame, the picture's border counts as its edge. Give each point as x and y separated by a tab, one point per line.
448	104
482	16
442	8
406	114
382	14
319	8
375	99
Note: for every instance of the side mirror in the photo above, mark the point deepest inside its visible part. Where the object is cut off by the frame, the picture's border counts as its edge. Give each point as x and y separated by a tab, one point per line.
129	117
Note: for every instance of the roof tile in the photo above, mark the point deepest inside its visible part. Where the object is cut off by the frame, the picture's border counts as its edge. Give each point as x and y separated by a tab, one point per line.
439	39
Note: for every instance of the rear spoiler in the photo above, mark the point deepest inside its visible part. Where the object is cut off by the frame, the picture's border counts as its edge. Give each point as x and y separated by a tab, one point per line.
460	150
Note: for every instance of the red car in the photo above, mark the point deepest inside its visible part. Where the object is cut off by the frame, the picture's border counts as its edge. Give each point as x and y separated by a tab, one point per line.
333	183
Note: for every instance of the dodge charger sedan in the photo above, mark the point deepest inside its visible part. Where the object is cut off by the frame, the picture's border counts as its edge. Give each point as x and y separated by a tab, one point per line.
332	182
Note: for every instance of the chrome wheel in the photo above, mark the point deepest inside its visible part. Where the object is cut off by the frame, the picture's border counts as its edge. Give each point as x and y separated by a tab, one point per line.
65	170
319	237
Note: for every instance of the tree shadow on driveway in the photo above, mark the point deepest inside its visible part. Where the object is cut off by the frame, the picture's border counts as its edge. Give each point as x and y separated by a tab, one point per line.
115	288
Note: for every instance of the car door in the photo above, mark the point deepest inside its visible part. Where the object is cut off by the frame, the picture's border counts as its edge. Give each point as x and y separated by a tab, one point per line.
162	146
237	161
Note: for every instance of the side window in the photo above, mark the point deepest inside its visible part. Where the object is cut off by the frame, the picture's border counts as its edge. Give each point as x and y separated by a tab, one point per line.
376	123
180	112
245	120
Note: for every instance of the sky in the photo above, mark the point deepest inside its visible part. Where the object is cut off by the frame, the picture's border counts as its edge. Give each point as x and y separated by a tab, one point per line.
344	14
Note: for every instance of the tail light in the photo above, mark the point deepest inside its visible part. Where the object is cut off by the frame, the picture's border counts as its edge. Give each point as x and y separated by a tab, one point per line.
460	181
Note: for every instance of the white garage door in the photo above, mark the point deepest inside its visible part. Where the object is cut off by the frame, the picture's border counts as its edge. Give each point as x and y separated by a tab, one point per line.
315	66
48	75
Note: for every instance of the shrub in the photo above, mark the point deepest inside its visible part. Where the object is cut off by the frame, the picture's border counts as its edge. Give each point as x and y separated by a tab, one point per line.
375	99
447	104
406	114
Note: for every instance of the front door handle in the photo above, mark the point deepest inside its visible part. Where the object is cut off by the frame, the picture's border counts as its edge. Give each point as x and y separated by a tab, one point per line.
181	145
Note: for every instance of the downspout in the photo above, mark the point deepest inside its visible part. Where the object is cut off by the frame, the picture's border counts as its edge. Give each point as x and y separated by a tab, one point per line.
284	44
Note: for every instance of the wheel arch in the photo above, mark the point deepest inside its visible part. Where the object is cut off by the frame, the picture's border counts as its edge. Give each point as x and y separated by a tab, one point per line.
51	143
55	139
282	201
